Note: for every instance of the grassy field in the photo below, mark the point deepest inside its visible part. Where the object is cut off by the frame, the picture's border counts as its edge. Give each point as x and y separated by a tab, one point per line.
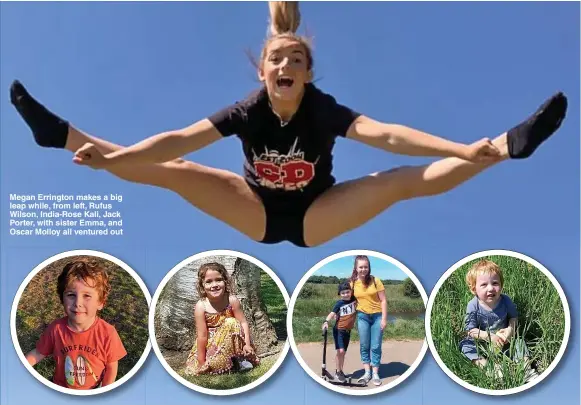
276	310
541	322
317	300
126	309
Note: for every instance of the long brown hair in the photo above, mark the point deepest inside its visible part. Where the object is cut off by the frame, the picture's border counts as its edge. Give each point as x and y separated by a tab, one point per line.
368	277
220	269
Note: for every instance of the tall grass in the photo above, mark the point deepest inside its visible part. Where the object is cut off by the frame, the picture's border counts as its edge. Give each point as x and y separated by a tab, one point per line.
541	322
317	300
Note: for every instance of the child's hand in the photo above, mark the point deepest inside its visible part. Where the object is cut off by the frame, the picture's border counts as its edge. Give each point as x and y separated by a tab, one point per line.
248	350
506	333
499	341
482	151
89	155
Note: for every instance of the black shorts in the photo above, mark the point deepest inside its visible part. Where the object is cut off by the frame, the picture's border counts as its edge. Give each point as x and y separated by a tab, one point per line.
341	337
285	214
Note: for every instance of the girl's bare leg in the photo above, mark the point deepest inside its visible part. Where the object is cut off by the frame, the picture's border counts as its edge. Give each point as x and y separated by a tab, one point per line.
351	204
219	193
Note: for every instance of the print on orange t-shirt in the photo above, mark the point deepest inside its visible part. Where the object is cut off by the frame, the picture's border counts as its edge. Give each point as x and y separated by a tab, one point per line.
81	357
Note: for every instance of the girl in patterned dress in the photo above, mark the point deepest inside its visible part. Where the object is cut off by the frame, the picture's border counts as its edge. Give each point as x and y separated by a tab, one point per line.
222	334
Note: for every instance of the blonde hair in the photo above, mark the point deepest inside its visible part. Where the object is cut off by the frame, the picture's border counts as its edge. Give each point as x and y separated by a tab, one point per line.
483	266
284	22
285	17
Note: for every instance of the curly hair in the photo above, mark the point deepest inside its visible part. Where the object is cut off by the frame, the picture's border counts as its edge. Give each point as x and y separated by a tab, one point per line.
90	272
216	267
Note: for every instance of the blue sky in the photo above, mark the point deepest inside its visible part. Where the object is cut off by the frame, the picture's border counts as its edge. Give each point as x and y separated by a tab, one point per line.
380	268
125	71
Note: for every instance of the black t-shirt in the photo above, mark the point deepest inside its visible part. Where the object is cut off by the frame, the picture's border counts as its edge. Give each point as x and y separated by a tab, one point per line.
294	158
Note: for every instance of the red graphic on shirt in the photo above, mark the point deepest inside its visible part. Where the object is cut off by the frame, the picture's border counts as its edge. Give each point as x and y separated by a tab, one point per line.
283	171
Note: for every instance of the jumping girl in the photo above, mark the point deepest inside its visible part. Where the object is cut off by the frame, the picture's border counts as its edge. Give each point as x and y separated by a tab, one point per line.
222	334
288	129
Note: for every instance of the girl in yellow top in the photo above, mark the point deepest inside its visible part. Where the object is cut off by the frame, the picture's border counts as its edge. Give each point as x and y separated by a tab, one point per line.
371	316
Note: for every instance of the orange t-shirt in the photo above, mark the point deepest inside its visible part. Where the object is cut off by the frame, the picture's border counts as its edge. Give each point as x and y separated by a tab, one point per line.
80	356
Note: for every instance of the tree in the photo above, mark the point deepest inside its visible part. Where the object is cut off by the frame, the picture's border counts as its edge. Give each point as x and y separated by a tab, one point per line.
174	312
410	289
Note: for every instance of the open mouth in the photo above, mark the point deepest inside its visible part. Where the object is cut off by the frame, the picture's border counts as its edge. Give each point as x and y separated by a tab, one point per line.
284	82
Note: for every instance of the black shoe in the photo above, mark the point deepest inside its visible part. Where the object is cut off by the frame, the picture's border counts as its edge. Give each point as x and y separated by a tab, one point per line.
526	137
49	130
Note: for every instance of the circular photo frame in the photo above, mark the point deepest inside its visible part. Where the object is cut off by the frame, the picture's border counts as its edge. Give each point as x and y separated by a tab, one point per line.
41	319
254	292
468	323
322	284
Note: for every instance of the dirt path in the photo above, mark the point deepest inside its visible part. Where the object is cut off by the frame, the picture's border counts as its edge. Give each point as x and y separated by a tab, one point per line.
396	357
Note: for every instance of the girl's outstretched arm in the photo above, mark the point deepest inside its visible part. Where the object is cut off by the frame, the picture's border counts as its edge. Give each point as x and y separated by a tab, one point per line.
239	315
201	332
159	148
408	141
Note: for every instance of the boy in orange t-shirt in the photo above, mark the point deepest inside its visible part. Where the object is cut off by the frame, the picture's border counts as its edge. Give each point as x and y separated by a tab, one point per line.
86	349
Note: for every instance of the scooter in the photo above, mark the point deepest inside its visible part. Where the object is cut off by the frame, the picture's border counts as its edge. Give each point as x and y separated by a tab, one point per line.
330	378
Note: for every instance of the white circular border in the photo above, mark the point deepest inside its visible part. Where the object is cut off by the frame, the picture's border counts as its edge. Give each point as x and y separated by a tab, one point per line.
295	349
16	343
516	255
157	351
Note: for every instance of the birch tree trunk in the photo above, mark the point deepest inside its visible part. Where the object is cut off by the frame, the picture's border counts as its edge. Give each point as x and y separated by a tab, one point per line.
174	313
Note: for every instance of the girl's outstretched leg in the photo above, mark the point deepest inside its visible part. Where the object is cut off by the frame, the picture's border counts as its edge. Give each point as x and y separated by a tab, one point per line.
349	205
219	193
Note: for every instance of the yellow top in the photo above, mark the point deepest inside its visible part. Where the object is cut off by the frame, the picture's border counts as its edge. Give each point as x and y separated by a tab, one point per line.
367	299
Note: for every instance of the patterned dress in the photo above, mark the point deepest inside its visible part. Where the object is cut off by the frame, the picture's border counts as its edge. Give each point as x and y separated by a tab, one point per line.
225	343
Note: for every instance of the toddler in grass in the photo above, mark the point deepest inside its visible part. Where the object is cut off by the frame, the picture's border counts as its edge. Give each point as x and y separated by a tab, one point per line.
86	349
223	339
344	314
491	317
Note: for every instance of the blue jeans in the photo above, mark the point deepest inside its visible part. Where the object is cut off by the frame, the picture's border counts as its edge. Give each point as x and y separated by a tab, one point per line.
370	337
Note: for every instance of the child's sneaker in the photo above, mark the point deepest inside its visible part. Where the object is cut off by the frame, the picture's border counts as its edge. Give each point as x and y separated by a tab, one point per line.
245	365
365	379
531	375
376	379
340	376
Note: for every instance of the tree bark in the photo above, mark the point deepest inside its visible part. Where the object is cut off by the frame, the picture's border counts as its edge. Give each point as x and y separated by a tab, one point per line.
174	313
